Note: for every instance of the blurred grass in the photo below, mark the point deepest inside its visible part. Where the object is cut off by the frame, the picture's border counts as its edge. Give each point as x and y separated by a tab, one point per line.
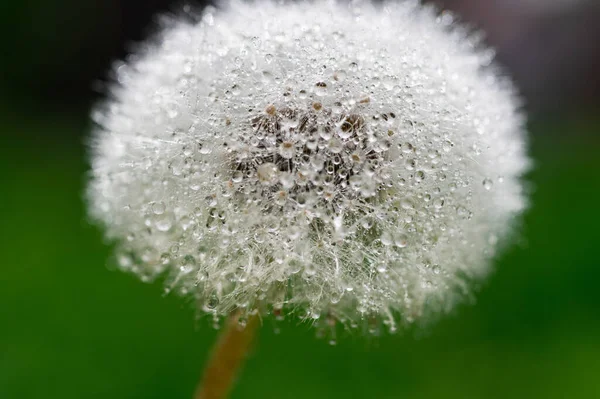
71	328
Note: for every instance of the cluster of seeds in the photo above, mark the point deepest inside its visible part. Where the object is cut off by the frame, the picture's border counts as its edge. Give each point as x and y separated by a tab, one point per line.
344	162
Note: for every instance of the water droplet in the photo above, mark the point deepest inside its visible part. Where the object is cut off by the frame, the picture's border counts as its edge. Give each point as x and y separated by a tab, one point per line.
401	240
419	176
124	260
321	89
286	180
267	173
286	150
187	264
212	303
238	176
164	224
447	146
381	268
339	75
386	238
463	212
158	208
488	184
281	197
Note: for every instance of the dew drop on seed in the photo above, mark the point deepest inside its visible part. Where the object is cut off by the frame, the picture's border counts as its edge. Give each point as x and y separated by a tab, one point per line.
238	176
286	150
267	173
164	224
401	240
488	184
187	264
386	238
321	89
158	208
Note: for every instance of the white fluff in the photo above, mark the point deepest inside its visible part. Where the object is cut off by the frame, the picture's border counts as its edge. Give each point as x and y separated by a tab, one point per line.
350	161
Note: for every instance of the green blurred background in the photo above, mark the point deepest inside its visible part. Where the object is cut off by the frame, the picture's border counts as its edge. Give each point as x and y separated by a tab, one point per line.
73	328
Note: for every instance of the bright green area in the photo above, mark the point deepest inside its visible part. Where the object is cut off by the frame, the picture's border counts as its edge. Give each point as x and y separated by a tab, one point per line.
70	328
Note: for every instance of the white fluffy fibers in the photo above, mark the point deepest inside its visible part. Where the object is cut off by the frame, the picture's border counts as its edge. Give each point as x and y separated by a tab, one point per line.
349	161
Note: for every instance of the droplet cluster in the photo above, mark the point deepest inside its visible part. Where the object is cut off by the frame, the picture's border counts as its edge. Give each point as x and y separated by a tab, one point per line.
345	162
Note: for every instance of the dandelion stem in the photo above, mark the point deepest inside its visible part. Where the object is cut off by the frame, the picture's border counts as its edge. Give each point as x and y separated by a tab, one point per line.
227	358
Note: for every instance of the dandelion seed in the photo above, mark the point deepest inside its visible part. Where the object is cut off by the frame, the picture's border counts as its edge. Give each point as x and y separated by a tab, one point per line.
317	156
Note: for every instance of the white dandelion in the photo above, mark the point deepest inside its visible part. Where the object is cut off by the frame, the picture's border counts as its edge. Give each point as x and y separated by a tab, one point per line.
342	161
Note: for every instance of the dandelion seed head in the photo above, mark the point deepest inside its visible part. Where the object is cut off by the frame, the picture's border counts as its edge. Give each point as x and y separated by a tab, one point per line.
354	161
